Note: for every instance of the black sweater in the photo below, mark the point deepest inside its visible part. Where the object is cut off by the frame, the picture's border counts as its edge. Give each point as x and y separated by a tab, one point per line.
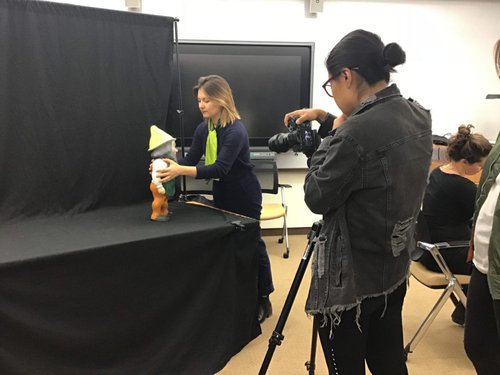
448	206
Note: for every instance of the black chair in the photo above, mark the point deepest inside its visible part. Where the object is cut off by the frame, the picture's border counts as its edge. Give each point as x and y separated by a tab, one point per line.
267	173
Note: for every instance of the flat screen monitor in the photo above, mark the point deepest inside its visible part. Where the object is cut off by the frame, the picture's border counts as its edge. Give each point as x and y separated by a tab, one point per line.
267	80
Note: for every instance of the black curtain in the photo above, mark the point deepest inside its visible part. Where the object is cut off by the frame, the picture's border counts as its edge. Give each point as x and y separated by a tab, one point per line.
112	293
79	89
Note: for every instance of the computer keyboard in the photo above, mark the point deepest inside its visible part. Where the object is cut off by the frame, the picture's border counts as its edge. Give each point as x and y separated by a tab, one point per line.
262	155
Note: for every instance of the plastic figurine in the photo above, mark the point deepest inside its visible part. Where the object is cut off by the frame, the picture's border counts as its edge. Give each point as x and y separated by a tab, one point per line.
161	145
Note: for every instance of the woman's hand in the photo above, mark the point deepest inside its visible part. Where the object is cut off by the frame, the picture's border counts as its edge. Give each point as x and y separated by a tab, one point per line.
306	114
470	252
172	171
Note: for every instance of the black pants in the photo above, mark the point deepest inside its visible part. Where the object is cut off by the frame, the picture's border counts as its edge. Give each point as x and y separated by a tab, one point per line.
482	326
456	259
379	342
244	197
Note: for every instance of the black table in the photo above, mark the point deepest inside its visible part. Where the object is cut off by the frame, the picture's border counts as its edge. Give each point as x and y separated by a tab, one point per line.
110	292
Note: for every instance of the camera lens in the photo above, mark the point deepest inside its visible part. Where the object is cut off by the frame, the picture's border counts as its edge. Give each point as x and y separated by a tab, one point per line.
279	143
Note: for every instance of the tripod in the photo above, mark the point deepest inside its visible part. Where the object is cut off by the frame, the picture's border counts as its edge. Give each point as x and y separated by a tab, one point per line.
277	336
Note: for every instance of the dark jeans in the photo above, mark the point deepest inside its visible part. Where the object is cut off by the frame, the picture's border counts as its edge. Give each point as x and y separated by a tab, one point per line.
379	342
482	326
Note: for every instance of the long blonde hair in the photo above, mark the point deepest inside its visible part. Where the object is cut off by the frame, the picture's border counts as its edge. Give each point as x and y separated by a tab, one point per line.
219	91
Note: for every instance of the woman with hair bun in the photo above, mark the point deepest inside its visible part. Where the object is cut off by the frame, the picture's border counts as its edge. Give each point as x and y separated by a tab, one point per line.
367	179
448	204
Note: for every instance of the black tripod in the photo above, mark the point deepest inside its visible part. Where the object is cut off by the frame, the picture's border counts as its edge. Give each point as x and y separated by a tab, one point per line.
277	336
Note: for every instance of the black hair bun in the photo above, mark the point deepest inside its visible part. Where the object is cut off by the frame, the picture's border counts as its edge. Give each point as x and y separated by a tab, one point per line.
394	55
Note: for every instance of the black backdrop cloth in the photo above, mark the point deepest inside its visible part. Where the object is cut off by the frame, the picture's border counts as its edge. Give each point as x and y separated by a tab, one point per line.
79	89
88	285
110	292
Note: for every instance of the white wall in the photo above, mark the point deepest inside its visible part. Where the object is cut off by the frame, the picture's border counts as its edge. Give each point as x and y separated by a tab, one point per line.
449	47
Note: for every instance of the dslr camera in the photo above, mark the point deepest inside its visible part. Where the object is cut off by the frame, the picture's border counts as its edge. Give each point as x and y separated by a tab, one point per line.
300	138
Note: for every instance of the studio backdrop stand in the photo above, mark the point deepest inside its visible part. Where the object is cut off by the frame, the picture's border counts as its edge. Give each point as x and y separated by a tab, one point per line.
314	239
179	111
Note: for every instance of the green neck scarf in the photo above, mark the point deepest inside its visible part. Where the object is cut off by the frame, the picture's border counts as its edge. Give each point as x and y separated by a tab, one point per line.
211	147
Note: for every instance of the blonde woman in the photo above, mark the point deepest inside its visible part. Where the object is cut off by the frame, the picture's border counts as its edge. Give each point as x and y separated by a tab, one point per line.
223	139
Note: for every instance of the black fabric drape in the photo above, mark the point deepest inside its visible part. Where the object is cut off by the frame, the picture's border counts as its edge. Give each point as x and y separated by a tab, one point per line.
79	89
109	292
88	284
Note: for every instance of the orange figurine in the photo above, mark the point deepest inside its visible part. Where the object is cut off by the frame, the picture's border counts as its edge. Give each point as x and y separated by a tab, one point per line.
161	145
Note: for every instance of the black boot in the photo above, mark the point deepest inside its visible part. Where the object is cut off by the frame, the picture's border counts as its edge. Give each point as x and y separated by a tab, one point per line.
458	315
265	309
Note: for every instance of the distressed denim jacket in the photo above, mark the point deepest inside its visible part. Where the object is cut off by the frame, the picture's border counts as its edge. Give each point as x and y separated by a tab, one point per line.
367	179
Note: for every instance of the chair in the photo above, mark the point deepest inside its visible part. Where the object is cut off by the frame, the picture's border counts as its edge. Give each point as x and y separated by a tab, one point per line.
446	280
267	173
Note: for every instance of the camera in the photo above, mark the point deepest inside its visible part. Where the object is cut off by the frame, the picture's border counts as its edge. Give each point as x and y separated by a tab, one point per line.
300	138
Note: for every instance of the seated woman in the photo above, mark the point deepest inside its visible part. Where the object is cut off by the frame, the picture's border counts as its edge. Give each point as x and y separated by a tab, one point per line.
448	204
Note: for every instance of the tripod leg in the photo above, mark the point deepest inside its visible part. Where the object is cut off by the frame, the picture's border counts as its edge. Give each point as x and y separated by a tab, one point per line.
311	364
277	336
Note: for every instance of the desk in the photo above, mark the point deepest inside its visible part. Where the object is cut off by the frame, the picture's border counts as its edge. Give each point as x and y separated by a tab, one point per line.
110	292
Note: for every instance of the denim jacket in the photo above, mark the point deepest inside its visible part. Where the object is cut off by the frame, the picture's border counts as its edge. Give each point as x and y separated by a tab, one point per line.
367	179
488	177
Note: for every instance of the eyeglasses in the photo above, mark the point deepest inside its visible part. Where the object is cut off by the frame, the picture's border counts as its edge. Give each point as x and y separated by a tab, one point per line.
327	86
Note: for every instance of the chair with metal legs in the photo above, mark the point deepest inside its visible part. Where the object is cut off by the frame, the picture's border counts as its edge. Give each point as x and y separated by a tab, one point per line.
267	173
446	280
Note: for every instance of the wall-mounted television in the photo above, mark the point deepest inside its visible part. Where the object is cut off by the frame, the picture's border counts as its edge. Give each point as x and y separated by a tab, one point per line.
267	80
